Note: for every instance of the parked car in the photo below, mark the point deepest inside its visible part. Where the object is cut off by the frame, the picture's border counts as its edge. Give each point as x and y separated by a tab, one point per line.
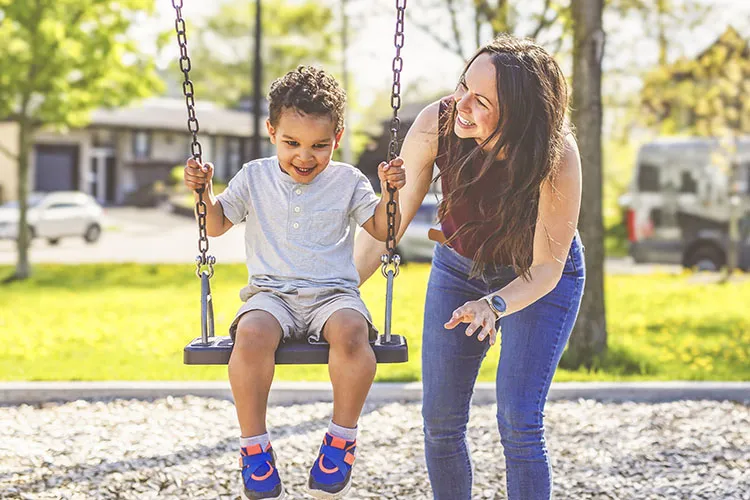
55	215
678	204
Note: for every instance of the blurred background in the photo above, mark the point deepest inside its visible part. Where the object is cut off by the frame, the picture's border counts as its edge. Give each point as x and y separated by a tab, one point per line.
99	283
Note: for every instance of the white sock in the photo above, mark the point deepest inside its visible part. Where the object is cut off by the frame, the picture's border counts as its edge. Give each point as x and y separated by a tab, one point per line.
342	432
263	440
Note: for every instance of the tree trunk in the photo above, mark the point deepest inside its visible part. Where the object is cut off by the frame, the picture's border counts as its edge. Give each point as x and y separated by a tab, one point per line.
23	270
589	337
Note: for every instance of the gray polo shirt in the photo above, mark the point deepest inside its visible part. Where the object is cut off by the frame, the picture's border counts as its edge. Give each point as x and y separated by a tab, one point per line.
299	235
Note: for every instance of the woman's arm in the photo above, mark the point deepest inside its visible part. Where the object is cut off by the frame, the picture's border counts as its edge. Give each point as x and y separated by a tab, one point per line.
559	206
418	153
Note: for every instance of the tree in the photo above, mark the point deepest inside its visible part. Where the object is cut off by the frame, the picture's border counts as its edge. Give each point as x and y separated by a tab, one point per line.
221	48
486	17
61	59
589	337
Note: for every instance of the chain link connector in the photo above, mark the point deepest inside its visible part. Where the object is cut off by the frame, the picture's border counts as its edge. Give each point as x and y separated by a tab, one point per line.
386	261
209	262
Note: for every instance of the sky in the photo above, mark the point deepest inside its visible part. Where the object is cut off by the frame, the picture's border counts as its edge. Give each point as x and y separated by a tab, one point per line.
435	69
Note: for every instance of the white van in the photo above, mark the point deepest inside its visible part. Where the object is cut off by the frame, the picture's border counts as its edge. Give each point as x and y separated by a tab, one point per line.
678	204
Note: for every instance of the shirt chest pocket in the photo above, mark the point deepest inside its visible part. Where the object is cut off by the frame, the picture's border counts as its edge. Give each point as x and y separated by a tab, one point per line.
326	227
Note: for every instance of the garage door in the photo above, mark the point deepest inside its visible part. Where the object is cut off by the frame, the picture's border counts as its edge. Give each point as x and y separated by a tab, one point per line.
56	168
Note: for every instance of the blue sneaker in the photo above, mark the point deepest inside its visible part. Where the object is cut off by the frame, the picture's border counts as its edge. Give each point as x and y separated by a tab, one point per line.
331	474
260	479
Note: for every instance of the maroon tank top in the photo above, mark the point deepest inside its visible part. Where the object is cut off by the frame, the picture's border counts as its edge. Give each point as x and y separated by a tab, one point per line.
467	209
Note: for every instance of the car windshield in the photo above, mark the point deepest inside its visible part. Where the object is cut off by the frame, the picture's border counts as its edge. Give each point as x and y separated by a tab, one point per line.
33	201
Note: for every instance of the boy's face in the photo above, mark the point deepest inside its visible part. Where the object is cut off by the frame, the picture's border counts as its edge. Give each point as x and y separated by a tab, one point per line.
304	143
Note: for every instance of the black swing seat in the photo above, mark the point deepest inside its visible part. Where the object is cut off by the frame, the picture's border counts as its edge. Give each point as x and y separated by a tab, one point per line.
218	349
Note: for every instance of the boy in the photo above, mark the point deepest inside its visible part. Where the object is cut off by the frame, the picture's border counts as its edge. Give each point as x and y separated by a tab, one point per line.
300	210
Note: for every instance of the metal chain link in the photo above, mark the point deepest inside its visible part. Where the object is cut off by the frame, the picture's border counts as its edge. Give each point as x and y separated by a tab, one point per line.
397	66
195	146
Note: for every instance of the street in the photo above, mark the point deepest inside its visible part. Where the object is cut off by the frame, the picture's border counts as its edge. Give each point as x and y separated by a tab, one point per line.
157	236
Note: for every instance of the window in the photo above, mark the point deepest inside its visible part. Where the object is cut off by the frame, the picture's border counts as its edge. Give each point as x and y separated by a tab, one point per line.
656	217
141	145
688	184
648	178
103	138
234	154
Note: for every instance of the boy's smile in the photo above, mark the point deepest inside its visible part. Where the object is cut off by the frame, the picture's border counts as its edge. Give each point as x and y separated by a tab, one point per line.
304	143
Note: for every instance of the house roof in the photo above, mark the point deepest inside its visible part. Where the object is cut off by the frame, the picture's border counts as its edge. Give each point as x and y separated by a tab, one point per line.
167	113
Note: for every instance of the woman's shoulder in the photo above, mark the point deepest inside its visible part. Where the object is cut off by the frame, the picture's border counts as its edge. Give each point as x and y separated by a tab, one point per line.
427	119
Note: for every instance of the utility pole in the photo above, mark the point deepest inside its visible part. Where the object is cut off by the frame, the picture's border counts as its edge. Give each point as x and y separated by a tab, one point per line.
347	149
257	82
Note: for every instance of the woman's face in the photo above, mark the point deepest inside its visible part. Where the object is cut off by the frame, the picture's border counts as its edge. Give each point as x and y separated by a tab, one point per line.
478	110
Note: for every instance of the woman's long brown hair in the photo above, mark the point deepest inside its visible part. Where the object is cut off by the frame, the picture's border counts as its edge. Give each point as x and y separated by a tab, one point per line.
533	99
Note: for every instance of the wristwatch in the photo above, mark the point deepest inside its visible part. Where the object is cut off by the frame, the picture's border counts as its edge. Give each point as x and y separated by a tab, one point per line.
497	304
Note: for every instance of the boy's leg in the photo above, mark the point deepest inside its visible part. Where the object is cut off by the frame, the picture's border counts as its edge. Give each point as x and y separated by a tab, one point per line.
251	368
351	364
257	334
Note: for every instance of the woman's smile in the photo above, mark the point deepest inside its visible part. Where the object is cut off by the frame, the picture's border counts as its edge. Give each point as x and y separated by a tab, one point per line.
464	123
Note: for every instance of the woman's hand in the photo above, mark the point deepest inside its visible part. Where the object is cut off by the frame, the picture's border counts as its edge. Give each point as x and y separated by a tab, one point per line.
479	315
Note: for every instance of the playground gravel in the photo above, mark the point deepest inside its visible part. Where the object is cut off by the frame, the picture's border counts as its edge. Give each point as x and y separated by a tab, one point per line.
186	447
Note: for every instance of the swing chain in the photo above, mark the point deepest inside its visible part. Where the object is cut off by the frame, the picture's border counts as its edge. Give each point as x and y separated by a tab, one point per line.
398	63
195	146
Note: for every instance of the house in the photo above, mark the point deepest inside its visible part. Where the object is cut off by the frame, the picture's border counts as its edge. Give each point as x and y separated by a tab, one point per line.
124	151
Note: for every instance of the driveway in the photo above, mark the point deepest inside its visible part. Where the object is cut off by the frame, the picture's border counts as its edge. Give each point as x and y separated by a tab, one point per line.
135	235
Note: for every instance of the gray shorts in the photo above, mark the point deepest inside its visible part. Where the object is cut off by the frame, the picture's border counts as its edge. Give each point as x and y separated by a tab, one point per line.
303	312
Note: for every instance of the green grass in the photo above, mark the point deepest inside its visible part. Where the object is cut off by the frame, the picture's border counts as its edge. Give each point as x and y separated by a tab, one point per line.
130	322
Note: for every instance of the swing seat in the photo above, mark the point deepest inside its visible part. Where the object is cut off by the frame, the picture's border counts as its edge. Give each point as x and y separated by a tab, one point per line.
218	349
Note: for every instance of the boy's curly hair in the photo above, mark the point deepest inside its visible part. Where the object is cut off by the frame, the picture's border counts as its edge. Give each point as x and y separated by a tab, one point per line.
309	90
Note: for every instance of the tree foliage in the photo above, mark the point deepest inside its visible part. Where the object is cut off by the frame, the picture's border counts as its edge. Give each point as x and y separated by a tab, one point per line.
221	49
60	60
708	95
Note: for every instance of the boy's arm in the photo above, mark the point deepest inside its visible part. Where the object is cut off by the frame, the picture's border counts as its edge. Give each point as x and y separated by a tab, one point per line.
377	225
197	176
216	222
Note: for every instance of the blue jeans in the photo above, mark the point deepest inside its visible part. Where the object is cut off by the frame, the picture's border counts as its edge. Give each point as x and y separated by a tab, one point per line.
533	341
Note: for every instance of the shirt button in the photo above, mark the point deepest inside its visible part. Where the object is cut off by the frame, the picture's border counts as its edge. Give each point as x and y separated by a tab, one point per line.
298	191
296	209
295	225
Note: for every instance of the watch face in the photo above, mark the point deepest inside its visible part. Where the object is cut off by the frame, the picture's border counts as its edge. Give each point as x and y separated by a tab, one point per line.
499	303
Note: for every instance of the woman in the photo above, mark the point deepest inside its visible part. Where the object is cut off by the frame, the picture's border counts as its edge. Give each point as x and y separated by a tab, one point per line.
509	258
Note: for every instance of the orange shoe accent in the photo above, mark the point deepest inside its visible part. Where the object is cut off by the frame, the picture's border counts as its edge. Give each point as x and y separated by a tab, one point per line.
264	476
252	450
351	446
324	468
338	442
349	458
